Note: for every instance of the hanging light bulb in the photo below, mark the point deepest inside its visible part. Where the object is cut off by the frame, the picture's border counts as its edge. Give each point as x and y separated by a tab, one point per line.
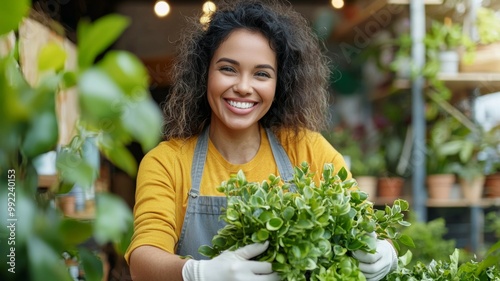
338	4
162	8
208	8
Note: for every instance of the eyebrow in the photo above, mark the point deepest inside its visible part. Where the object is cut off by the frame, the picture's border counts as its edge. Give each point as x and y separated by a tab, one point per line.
237	63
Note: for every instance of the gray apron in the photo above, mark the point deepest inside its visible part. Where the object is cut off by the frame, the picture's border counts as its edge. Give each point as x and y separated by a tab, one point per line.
201	221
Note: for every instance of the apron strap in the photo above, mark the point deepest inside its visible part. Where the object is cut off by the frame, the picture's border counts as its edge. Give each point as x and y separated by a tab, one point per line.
200	156
282	160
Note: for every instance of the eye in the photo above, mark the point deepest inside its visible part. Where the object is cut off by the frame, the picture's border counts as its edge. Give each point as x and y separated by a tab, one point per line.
226	69
263	74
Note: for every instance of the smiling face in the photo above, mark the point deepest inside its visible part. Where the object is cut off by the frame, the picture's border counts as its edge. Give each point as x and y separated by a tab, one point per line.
242	80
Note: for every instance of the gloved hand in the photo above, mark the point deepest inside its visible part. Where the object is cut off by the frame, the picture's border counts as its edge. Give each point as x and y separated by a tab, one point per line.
376	266
231	265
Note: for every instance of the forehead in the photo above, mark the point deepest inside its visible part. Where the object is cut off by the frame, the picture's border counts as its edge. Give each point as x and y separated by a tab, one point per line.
246	44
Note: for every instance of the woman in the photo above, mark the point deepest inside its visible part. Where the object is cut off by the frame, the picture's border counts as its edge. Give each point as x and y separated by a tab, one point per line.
249	94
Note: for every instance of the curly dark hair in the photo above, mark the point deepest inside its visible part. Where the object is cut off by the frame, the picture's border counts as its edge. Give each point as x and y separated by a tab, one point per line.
301	92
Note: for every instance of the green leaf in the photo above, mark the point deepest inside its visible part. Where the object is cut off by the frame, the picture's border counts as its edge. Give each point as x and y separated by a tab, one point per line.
113	218
466	152
232	214
44	262
451	148
12	13
339	250
288	213
51	57
68	79
219	241
262	235
274	224
120	156
74	232
42	134
317	233
207	251
73	168
343	174
266	216
92	265
304	224
95	38
128	72
143	120
407	240
100	98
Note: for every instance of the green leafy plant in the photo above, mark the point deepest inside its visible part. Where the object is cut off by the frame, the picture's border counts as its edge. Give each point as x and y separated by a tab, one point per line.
364	153
312	231
493	223
446	36
449	269
445	142
114	109
429	241
487	24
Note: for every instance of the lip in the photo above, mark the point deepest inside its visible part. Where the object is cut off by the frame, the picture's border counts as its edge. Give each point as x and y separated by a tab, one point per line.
240	111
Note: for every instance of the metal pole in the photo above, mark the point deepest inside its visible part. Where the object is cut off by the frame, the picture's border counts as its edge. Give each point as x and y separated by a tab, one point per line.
417	24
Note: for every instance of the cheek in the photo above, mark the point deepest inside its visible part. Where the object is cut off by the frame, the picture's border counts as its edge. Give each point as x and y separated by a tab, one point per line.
269	93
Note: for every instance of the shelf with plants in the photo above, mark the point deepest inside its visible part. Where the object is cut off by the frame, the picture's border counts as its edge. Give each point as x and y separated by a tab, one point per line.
440	90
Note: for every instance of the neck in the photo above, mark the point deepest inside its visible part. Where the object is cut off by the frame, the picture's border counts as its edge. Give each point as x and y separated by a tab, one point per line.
236	147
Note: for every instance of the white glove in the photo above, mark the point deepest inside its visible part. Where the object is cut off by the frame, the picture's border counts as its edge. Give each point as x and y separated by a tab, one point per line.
232	266
376	266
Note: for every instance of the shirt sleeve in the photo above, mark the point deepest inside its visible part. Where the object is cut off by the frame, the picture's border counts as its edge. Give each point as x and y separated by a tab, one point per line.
154	210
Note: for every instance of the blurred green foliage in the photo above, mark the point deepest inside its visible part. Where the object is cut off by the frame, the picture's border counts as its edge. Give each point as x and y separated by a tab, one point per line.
115	108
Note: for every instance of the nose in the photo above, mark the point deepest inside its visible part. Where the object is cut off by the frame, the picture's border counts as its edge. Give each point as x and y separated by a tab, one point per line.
243	86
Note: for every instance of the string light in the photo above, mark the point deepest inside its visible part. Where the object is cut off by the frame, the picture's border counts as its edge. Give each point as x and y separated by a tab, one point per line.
162	8
208	8
338	4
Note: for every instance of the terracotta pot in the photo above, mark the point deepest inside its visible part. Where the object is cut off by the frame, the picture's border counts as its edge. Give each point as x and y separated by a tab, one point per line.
368	184
492	185
472	189
390	187
67	204
440	186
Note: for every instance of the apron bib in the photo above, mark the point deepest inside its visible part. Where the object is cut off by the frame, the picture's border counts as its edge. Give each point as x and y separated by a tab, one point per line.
201	221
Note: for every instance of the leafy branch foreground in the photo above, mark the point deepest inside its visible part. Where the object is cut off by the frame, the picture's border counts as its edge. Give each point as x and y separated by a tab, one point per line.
450	269
312	231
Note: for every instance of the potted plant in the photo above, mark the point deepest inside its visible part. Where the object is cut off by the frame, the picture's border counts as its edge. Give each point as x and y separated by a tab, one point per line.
472	169
492	180
444	42
492	170
363	156
393	136
444	144
487	53
114	107
365	170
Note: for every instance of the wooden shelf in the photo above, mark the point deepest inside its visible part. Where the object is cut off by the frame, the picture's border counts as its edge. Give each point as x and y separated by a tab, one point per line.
46	181
381	201
485	82
462	203
444	203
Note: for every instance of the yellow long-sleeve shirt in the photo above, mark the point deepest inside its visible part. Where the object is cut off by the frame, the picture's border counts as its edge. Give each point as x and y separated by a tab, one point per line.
164	179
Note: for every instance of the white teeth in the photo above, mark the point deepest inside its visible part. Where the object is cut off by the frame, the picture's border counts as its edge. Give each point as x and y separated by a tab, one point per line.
242	105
